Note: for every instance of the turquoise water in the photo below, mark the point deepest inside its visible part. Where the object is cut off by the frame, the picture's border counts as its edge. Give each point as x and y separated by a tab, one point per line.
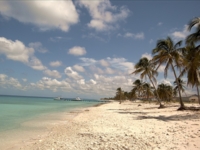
14	110
28	118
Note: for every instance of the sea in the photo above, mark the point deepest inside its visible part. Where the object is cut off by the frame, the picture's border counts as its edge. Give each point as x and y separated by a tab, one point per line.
22	117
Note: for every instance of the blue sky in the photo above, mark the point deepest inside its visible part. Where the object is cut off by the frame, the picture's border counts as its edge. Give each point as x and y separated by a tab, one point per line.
84	48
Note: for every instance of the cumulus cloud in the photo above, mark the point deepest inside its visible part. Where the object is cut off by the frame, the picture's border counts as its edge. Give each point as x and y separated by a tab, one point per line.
147	55
104	63
104	15
44	14
72	74
180	35
88	61
139	36
10	82
166	82
55	63
112	65
121	64
52	73
36	64
52	84
109	71
93	81
77	51
38	47
17	51
79	68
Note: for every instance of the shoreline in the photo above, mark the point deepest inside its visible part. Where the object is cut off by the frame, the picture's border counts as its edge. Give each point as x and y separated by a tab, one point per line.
124	126
36	128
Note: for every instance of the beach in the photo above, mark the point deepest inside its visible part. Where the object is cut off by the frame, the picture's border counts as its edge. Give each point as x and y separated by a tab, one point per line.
126	126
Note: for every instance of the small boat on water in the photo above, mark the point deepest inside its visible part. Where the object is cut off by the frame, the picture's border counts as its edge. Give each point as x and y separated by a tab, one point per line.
57	98
77	99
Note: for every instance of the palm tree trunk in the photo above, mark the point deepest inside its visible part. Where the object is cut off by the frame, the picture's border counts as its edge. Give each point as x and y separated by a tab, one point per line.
182	107
198	93
161	106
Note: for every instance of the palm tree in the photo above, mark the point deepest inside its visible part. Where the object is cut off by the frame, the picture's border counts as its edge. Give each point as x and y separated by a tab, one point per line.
166	52
194	37
165	91
181	83
133	93
146	68
138	86
147	90
119	94
191	55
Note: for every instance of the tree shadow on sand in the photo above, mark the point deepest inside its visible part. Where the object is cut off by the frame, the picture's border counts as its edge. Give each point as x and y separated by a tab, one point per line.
179	117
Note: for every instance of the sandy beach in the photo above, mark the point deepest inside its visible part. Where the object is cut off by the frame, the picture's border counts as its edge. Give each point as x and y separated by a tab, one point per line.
126	126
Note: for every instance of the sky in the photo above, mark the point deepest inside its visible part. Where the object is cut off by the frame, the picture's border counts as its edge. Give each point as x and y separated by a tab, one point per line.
85	48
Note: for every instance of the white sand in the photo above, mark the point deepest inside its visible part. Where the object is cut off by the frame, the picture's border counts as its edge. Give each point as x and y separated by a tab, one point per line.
125	126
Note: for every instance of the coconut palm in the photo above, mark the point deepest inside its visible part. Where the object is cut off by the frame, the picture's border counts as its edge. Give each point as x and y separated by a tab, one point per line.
133	93
194	37
181	83
165	92
166	52
191	55
138	86
147	90
146	69
119	94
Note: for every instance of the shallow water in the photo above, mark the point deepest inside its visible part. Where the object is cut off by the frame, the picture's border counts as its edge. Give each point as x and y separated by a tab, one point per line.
22	118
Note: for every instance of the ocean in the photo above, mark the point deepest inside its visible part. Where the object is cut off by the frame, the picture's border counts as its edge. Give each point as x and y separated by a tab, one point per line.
23	117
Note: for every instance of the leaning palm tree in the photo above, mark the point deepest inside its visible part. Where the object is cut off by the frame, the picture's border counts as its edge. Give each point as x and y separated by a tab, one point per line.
194	37
191	55
166	52
146	69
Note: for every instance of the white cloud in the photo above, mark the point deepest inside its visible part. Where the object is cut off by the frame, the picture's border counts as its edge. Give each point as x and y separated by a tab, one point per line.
180	35
77	51
166	82
96	69
147	55
104	63
17	51
93	81
161	68
81	81
72	74
79	68
55	63
134	35
52	84
10	82
104	15
38	47
109	71
121	64
88	61
52	73
44	14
